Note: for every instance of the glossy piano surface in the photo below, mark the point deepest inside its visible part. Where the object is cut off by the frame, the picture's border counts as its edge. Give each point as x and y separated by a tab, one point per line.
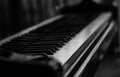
67	39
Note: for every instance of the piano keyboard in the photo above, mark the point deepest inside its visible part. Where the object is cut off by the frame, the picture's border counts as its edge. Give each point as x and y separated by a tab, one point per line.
47	38
64	38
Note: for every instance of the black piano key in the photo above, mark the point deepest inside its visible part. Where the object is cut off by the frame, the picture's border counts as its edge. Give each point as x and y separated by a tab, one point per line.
36	52
16	47
50	42
24	40
62	33
58	44
40	49
61	40
71	33
45	45
44	29
53	47
75	30
16	43
55	39
34	35
30	39
65	31
59	36
64	38
36	48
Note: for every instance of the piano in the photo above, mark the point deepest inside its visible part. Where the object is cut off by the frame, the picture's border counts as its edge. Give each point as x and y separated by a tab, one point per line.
62	46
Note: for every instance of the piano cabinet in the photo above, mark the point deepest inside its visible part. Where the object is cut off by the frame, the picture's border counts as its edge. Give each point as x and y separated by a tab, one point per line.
84	64
49	67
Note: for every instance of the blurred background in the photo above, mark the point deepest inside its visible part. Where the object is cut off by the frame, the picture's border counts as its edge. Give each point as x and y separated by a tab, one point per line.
16	15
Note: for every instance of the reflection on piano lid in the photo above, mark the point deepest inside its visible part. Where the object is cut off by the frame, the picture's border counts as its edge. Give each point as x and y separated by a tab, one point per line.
68	39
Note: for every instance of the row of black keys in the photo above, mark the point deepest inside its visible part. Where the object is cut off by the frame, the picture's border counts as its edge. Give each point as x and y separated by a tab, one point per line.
47	39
